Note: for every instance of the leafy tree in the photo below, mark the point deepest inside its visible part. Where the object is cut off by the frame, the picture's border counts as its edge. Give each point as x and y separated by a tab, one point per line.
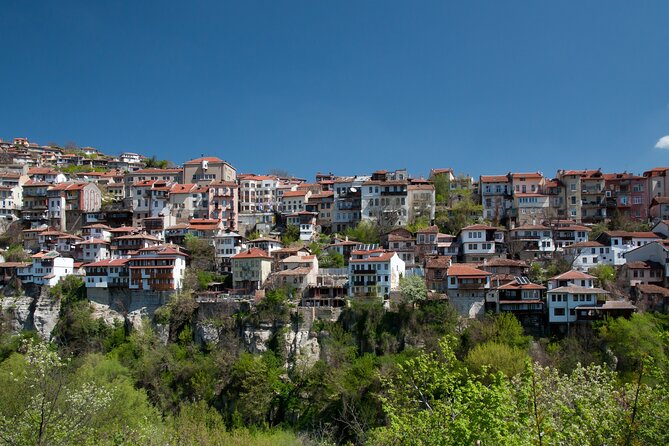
442	189
419	223
413	289
154	162
606	274
496	357
597	230
331	259
16	253
290	235
39	405
364	232
632	340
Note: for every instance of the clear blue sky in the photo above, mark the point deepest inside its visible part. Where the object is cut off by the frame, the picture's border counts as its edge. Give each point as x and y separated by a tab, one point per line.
344	86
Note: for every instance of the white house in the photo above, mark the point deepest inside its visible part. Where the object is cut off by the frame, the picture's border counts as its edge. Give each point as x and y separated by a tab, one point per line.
108	273
479	242
93	249
657	252
157	268
621	242
47	268
374	273
467	288
585	255
563	302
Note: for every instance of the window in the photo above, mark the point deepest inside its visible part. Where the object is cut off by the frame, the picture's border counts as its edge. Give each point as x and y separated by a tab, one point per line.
572	187
558	312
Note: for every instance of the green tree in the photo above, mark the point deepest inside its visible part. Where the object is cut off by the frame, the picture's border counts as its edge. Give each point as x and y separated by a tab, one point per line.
496	357
606	274
331	259
364	232
631	340
413	288
39	405
16	253
154	162
290	235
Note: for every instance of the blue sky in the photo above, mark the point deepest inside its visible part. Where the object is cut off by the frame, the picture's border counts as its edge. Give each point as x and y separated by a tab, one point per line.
345	86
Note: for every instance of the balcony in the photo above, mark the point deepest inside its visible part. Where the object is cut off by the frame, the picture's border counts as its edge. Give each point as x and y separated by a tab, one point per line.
471	286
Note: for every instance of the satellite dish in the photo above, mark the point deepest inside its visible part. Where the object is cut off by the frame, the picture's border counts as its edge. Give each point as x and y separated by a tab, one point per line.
354	190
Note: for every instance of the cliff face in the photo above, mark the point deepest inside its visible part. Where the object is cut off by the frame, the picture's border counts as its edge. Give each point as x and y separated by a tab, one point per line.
34	310
212	323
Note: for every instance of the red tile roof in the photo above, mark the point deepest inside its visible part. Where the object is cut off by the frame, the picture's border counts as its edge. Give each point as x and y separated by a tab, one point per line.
253	253
459	270
108	262
210	159
295	193
572	275
494	179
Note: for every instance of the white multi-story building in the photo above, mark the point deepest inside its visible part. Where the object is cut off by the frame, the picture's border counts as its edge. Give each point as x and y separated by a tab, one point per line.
157	268
109	273
47	268
495	193
93	250
374	273
567	292
257	193
479	242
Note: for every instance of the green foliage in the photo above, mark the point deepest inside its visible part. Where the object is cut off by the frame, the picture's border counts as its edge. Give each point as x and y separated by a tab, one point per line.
71	170
290	235
496	357
413	288
16	253
501	328
154	162
364	232
330	259
597	230
632	340
442	189
606	274
419	223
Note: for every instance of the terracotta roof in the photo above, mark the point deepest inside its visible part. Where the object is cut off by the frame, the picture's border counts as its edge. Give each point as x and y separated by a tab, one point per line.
653	289
384	257
421	187
295	193
94	241
609	305
182	188
494	179
42	171
299	271
521	286
253	253
638	265
480	227
296	259
438	262
632	234
265	239
572	275
138	236
574	289
97	226
429	230
210	159
46	254
527	175
582	173
108	262
466	271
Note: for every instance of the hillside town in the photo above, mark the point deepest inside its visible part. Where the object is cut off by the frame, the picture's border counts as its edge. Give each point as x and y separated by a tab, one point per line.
554	250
